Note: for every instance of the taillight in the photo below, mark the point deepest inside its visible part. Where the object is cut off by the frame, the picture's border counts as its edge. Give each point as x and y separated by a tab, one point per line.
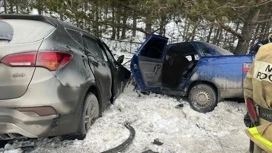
50	60
22	59
246	67
53	60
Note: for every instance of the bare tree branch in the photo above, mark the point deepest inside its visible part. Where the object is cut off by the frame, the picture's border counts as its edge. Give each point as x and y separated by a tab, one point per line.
133	9
268	14
120	40
229	29
263	2
262	21
123	26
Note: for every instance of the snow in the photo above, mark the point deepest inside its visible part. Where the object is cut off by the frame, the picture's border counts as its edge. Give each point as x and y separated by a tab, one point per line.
34	12
154	116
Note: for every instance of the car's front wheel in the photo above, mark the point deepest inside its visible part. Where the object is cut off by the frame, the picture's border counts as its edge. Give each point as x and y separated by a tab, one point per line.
202	98
89	114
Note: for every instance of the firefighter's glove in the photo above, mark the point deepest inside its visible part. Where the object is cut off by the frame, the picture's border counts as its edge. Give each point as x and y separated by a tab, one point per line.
247	120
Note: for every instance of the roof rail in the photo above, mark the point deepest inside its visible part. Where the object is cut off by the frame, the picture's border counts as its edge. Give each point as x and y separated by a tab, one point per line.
41	18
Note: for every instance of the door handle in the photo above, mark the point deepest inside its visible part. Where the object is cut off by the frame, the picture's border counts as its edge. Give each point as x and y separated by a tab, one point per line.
95	63
156	68
93	60
84	57
135	66
103	63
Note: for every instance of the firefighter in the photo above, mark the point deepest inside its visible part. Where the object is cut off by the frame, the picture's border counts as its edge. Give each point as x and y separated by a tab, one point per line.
258	99
254	49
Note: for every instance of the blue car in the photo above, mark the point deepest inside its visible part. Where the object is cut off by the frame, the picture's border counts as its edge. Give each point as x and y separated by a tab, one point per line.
203	72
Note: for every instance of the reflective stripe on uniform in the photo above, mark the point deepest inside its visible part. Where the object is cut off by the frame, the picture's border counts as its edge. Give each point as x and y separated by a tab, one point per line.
255	134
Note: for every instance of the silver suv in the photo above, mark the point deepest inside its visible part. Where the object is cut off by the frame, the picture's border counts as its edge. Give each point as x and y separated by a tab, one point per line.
55	79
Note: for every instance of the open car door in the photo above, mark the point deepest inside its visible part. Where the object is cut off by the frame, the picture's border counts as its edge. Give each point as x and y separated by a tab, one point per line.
146	64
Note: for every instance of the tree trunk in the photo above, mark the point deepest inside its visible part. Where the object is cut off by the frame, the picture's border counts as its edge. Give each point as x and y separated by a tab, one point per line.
210	33
39	6
162	25
134	24
215	38
96	20
187	27
118	23
194	32
11	8
255	35
219	37
99	19
5	6
268	25
226	39
28	5
243	43
106	12
16	7
236	29
262	34
148	26
113	35
148	29
124	23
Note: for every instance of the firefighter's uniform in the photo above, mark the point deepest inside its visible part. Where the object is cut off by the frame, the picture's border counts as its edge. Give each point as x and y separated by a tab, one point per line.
258	87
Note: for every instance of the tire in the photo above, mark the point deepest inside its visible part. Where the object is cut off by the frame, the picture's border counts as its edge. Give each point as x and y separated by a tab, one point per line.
89	114
202	98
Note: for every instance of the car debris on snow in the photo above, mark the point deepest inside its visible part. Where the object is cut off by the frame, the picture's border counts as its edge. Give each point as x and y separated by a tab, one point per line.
149	151
157	142
179	106
126	143
27	147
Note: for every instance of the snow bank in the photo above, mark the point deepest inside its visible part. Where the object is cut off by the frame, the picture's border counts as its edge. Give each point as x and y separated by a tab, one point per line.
154	116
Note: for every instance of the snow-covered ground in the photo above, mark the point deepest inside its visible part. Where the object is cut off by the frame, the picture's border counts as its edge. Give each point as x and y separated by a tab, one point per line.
154	116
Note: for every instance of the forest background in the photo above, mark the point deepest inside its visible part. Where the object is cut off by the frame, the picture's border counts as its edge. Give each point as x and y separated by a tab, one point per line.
232	24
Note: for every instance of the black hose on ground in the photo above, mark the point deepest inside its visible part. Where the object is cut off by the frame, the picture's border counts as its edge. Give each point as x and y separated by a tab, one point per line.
119	148
126	143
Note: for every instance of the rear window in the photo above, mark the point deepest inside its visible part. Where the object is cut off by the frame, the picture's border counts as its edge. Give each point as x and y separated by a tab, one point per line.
23	31
6	31
220	50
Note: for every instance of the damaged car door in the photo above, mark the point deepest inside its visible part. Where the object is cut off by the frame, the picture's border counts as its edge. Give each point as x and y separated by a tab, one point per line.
120	75
147	62
100	67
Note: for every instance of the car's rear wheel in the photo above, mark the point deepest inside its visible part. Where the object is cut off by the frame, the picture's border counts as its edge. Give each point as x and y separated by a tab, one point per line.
89	114
202	98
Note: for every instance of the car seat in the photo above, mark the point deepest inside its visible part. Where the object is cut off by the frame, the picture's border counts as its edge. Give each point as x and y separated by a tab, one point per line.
188	69
173	69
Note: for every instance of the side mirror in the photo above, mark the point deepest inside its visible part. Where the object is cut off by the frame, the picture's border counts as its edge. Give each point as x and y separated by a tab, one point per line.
120	59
